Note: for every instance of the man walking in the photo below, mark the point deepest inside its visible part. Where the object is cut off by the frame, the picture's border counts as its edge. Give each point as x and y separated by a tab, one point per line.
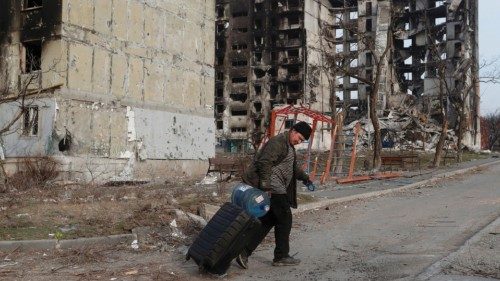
275	171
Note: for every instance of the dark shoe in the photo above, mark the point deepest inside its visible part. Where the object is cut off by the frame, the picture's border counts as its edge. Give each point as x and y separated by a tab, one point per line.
286	261
217	275
242	260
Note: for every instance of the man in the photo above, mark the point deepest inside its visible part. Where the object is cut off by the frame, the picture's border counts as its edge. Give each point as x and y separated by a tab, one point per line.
274	170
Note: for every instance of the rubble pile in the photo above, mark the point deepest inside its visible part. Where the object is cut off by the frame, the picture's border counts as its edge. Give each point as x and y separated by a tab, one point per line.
402	131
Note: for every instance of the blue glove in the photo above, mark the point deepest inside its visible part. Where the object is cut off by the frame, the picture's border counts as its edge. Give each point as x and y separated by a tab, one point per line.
310	185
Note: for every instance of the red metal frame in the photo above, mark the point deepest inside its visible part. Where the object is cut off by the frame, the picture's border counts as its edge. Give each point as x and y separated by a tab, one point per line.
296	110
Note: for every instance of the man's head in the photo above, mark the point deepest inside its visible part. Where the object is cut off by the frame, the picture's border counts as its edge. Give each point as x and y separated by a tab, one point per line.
299	133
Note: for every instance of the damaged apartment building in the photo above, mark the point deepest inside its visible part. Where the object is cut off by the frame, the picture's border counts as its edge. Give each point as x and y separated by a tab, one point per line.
268	53
112	89
277	52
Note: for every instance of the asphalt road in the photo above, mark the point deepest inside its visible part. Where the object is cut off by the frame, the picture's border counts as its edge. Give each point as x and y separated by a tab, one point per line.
395	237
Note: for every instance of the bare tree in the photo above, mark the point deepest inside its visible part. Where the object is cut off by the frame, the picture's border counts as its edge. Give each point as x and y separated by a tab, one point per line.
379	52
492	122
21	98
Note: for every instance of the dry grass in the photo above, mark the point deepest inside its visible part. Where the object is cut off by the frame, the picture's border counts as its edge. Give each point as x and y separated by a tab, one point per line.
34	172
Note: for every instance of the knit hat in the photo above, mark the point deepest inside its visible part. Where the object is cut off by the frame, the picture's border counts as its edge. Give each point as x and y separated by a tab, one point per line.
303	128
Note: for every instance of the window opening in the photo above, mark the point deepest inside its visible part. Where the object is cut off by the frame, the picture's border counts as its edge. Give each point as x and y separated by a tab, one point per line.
32	56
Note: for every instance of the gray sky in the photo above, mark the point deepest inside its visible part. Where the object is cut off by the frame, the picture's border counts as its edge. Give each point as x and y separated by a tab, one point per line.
489	48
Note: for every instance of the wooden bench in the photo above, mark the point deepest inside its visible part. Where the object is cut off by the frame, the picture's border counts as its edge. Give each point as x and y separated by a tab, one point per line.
231	165
400	160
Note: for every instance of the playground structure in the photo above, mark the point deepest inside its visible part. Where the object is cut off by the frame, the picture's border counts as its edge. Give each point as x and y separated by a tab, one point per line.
341	160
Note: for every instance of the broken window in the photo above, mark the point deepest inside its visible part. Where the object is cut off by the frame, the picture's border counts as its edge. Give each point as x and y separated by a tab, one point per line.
30	121
239	80
353	15
238	129
274	56
219	93
241	30
458	30
293	70
220	75
295	34
241	46
32	4
259	73
369	74
220	12
293	53
238	112
369	25
259	40
220	60
273	91
220	28
369	8
257	106
289	123
239	63
257	122
291	101
294	87
353	46
258	57
407	43
293	3
220	124
240	14
293	20
258	24
32	60
219	108
259	7
369	59
242	97
258	90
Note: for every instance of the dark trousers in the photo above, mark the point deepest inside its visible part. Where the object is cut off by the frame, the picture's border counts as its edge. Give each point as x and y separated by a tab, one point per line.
279	216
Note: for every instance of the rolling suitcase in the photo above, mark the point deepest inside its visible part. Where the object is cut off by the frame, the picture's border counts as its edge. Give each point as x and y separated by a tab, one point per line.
222	239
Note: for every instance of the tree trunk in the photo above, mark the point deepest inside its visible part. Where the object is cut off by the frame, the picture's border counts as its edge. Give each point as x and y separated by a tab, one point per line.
444	127
377	142
438	156
3	178
461	131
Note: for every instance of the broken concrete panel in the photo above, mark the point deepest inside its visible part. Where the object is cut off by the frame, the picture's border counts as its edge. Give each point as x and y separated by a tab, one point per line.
101	71
154	80
135	79
152	27
21	142
168	135
135	19
53	63
175	89
119	67
102	17
80	67
81	13
118	133
120	19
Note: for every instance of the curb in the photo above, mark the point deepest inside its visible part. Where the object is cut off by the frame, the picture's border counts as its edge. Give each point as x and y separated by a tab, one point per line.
327	202
438	266
26	245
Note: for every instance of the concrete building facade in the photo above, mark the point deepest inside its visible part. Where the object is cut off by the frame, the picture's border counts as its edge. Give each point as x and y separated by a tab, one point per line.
121	88
283	52
267	53
426	35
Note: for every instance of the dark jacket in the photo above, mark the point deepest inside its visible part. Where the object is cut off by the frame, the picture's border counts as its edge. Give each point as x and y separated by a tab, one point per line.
274	151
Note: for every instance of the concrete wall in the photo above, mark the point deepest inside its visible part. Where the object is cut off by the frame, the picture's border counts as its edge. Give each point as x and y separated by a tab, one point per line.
317	86
132	83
